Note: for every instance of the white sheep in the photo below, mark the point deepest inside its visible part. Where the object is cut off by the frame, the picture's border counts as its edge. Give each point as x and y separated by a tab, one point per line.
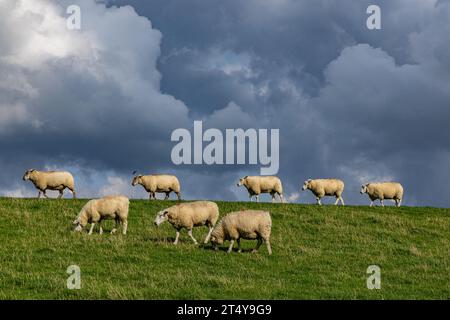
262	184
247	224
51	180
109	207
158	183
384	190
325	187
189	215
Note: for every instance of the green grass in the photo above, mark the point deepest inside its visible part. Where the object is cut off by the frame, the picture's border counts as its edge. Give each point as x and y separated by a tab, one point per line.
318	253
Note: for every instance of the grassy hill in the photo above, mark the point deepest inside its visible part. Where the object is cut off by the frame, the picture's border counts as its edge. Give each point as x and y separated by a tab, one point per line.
318	253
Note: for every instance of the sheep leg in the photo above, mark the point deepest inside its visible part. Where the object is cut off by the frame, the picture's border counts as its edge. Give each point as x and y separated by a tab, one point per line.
167	196
273	197
281	198
257	246
74	194
250	196
114	230
176	237
125	227
342	201
399	201
269	249
318	201
61	193
336	202
371	203
39	194
239	245
382	202
100	226
257	198
208	236
192	237
230	248
92	228
178	195
45	194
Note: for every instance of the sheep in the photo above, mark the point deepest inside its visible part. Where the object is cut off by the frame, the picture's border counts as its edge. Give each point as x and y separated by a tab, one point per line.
158	183
383	190
188	215
325	187
51	180
109	207
247	224
262	184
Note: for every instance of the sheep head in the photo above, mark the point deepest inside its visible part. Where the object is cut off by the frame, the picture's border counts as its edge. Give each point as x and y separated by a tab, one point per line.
307	184
136	180
161	216
28	174
242	181
364	189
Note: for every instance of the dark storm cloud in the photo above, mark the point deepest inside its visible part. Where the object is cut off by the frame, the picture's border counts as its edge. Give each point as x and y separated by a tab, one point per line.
300	37
352	103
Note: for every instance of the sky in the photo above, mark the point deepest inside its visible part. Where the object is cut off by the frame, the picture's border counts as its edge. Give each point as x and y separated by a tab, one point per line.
351	103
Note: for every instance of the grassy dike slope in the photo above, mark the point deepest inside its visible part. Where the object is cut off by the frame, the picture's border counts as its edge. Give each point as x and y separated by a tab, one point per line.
319	253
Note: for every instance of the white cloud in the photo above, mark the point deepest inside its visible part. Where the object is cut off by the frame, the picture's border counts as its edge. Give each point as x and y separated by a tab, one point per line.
20	192
115	186
229	62
232	116
294	196
40	58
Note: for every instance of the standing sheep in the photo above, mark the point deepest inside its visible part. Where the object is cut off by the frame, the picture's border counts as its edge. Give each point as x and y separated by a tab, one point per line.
51	180
96	210
158	183
384	190
262	184
248	224
325	187
188	215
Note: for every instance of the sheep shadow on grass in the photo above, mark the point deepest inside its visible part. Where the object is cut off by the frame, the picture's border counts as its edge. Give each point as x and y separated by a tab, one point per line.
209	247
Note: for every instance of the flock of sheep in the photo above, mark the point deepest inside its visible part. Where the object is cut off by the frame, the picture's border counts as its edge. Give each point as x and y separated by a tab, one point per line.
246	224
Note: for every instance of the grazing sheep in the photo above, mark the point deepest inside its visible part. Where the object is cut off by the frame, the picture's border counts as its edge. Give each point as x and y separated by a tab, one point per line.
384	190
262	184
188	215
248	224
96	210
325	187
158	183
50	180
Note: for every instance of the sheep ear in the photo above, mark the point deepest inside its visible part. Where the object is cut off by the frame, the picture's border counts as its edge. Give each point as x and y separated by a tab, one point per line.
309	180
245	177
